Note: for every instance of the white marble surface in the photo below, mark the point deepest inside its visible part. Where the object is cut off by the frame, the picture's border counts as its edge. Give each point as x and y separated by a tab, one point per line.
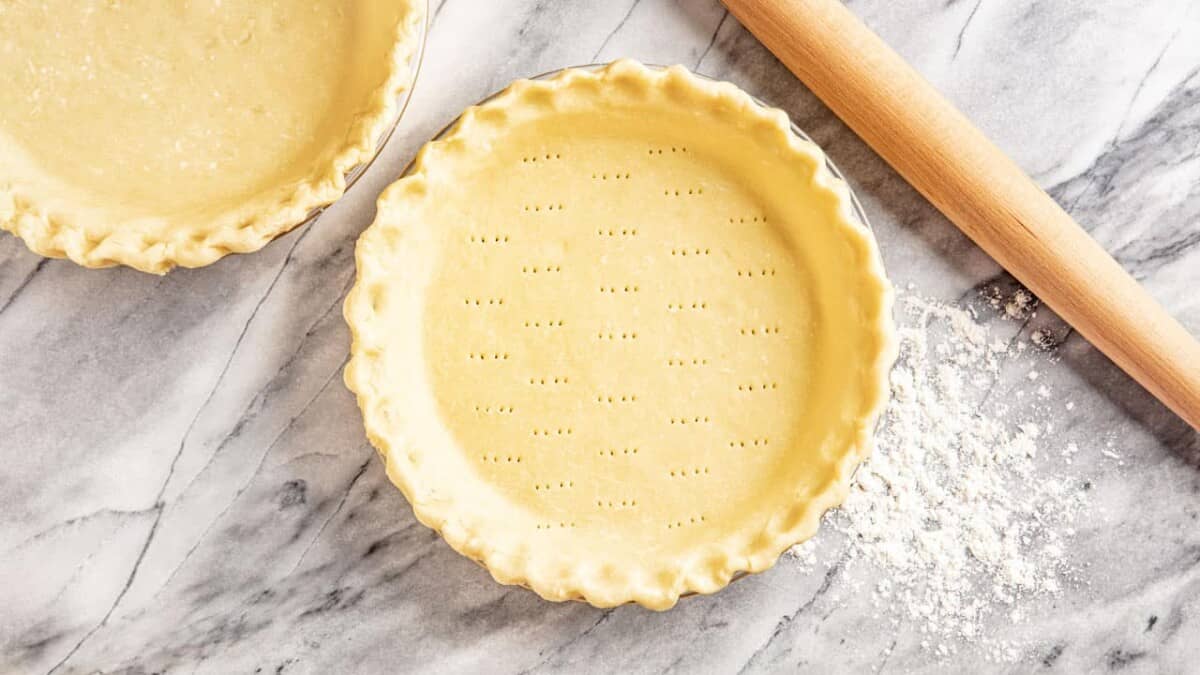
186	486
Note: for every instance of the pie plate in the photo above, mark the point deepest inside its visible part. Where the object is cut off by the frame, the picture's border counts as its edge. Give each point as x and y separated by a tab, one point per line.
121	147
619	335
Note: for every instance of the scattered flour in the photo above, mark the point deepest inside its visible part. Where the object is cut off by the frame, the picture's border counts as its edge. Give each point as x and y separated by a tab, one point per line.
1019	305
951	508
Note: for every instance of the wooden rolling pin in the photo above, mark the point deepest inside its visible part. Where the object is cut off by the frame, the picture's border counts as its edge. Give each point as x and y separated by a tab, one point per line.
980	189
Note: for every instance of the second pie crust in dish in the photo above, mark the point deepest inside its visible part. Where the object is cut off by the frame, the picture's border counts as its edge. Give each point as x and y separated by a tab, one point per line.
618	336
154	134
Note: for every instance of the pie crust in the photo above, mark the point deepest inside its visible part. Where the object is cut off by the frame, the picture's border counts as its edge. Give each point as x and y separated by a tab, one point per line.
124	146
618	335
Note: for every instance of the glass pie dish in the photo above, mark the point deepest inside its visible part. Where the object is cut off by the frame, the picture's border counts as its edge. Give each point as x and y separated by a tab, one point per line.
620	334
126	149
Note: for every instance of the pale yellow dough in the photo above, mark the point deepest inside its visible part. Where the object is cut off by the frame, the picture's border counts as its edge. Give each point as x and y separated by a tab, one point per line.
151	133
618	336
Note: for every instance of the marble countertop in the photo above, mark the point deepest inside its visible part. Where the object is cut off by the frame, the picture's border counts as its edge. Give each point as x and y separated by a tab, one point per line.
186	486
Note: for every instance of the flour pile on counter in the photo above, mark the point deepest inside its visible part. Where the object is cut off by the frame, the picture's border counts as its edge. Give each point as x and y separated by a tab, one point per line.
951	507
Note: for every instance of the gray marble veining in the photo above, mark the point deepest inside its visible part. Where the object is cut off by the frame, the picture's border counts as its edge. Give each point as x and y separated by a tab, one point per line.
186	486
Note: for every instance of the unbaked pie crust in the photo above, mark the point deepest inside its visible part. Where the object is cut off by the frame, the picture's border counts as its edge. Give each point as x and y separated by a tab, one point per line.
155	134
618	336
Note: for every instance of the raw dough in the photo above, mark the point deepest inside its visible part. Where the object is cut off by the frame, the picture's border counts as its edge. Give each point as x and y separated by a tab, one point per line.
618	336
152	133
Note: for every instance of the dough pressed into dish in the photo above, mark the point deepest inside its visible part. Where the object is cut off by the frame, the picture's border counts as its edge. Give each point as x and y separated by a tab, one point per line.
155	134
618	336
